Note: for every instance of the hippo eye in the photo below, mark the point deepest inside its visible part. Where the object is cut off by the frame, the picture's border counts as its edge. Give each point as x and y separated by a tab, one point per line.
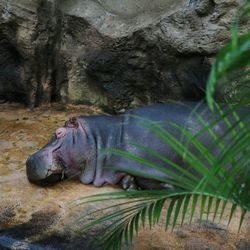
60	132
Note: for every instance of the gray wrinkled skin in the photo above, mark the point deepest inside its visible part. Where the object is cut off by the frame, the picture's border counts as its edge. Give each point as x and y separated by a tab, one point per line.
79	151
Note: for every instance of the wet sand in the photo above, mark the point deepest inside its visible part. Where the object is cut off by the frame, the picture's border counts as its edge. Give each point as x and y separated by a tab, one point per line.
40	216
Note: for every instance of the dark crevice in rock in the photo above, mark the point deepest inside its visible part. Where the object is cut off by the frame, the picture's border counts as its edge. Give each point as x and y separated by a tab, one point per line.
205	7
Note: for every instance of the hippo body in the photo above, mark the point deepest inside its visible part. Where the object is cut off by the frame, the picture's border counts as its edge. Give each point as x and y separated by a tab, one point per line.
77	148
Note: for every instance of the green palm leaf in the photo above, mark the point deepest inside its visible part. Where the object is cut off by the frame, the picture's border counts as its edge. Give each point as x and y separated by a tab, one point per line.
232	62
215	182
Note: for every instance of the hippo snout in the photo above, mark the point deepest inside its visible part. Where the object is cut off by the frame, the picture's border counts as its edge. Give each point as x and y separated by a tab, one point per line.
42	166
35	168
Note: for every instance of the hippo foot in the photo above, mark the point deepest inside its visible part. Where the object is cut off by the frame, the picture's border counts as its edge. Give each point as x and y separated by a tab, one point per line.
167	186
128	183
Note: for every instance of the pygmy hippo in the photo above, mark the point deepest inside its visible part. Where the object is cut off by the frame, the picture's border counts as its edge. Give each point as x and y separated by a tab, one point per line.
76	148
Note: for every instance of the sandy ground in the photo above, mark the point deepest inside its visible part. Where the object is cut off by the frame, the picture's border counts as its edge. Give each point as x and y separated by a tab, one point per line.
41	217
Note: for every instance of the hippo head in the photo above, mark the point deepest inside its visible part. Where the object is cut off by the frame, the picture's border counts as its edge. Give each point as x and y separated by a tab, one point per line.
63	156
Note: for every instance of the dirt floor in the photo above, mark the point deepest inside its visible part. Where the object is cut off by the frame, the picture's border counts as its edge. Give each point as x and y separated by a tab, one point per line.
33	217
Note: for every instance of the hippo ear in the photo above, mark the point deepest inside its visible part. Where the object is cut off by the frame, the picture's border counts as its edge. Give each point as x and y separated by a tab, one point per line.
72	123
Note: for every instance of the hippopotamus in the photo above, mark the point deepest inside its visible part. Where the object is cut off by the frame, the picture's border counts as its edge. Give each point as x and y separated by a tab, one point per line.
77	148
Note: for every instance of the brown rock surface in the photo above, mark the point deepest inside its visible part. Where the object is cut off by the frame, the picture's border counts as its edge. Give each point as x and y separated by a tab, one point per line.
33	216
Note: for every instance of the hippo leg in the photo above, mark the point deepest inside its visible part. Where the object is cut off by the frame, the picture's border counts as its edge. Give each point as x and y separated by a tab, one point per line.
144	183
128	183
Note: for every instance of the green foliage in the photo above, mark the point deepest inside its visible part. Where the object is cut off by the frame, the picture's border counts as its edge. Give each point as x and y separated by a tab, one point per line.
231	69
214	183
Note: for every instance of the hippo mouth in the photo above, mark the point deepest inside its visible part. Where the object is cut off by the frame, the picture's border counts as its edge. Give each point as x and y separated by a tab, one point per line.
56	172
39	171
50	180
50	164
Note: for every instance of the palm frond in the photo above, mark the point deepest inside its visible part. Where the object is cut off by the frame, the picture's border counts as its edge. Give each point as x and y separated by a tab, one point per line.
216	182
232	62
217	186
128	219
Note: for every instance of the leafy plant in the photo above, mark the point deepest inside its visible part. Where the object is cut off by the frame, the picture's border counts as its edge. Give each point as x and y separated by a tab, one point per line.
214	182
231	69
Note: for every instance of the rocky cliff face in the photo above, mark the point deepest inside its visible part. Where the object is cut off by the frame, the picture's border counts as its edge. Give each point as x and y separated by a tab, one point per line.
112	53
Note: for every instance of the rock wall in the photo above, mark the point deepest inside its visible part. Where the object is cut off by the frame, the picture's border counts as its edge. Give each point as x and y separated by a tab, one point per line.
112	53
